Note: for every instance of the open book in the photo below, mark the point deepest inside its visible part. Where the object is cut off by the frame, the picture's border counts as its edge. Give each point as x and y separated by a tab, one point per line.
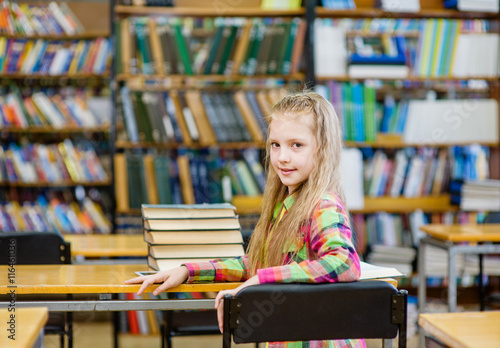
369	271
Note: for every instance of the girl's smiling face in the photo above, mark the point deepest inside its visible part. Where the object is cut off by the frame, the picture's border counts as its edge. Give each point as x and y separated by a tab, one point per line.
293	147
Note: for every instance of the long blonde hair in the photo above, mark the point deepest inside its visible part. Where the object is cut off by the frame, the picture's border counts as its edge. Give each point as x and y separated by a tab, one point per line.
324	177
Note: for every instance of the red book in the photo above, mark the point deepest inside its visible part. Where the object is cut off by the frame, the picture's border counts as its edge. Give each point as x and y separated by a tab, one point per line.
132	318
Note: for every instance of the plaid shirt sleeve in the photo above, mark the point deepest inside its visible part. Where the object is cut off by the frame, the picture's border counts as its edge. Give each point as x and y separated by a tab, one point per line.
219	270
330	240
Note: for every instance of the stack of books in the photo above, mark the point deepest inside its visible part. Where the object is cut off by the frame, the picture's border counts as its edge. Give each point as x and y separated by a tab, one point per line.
480	195
178	234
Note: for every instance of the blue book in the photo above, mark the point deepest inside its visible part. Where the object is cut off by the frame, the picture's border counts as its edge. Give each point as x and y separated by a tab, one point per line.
359	118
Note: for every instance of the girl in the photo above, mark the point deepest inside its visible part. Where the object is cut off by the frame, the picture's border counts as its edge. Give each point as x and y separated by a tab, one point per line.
303	234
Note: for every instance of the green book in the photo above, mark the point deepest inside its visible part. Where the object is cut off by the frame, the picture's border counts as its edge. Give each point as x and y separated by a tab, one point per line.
369	113
213	50
162	170
142	119
286	65
227	49
118	48
183	49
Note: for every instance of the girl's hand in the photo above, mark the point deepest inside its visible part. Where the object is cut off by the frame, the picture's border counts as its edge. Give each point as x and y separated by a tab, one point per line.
219	303
170	279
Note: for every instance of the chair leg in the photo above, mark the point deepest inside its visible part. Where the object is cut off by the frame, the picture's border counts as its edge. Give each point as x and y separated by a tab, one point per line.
70	329
61	339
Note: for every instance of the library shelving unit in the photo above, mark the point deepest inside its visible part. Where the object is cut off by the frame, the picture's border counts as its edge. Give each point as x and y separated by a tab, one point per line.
53	117
366	24
174	68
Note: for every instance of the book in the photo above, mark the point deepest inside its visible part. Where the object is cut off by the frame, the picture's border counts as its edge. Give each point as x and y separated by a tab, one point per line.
193	237
369	271
230	223
195	251
187	211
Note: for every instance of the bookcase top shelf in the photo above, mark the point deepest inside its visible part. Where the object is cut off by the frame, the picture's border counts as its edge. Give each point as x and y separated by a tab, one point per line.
56	184
179	79
366	12
145	145
383	141
409	78
45	77
430	204
227	11
396	141
82	36
51	130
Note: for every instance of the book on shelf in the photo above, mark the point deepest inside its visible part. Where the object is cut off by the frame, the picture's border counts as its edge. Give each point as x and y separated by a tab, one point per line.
452	121
481	195
233	46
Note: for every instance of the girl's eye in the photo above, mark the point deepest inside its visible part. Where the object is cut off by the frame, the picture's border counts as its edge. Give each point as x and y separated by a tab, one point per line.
275	145
297	145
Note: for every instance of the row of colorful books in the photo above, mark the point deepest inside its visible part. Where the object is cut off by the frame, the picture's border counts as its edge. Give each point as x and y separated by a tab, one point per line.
58	110
235	46
55	57
194	117
38	19
403	230
422	172
400	25
440	49
193	177
58	163
42	215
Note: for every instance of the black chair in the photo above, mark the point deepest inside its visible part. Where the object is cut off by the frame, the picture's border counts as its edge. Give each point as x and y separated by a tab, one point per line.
40	248
304	312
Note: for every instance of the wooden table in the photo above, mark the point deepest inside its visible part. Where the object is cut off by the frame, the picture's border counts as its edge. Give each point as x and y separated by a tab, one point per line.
455	239
464	330
107	245
28	326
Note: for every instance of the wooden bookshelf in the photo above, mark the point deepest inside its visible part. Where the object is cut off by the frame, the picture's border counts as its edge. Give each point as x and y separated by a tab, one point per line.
428	9
347	78
146	145
81	36
431	204
54	77
367	12
226	11
51	130
42	184
185	79
396	141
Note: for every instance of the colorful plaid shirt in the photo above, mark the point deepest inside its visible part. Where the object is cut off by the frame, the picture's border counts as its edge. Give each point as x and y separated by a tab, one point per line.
326	254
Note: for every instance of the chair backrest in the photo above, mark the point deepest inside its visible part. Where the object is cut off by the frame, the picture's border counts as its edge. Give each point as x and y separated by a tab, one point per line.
304	312
35	248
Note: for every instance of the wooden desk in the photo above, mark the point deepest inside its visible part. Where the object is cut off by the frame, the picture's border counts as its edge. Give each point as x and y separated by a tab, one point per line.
464	233
107	245
28	326
464	330
90	279
451	238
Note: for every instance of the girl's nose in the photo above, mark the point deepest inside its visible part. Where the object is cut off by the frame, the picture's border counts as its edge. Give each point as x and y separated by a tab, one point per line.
284	155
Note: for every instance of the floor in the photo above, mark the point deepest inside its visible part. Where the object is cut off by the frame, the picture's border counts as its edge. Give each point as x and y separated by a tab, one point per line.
93	332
